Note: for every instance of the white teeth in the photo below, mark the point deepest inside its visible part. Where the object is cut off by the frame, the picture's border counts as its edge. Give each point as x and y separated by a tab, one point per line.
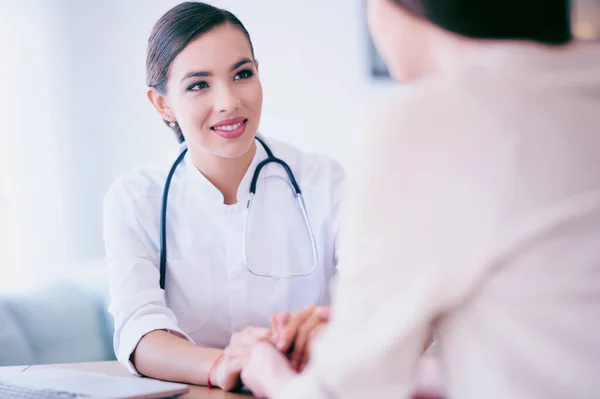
229	127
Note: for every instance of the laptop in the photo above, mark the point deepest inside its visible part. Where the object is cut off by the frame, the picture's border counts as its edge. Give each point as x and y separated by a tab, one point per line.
62	383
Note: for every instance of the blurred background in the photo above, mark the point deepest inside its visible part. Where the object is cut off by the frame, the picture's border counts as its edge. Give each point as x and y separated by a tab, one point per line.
74	116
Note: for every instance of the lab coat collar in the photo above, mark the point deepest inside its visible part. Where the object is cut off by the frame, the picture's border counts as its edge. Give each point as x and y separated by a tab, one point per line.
197	179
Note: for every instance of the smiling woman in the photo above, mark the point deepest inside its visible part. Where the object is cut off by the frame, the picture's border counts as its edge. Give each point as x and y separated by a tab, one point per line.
203	81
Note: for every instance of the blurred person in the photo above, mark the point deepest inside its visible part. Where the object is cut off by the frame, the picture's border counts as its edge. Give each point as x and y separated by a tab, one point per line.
202	251
475	214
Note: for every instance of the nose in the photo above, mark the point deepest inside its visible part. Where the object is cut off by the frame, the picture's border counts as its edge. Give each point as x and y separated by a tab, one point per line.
226	99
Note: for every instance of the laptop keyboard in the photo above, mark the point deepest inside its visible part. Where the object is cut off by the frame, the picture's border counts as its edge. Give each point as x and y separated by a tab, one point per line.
12	390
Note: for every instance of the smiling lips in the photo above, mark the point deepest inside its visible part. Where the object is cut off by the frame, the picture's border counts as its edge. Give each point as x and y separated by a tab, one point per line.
230	128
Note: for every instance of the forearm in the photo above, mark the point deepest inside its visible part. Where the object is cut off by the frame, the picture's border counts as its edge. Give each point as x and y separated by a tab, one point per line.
168	357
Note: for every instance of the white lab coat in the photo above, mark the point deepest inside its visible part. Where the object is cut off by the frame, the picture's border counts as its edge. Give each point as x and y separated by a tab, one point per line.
209	292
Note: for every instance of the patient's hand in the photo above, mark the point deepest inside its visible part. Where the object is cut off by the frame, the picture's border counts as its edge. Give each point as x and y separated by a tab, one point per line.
267	370
294	334
226	373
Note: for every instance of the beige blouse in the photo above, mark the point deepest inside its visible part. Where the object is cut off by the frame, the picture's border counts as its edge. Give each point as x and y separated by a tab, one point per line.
476	213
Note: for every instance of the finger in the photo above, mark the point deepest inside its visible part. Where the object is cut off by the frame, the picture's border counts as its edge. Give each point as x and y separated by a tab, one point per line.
258	332
278	322
274	329
274	323
246	338
282	319
302	366
324	312
303	338
288	334
249	336
243	349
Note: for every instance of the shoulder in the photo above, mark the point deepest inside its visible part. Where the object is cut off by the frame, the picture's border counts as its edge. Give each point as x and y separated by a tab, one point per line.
437	140
441	118
312	170
436	101
142	183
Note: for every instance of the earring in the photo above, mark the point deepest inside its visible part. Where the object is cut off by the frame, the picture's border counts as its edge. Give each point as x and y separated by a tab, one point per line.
172	124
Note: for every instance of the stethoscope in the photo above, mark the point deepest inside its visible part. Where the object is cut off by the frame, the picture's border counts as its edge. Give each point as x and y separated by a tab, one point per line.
293	185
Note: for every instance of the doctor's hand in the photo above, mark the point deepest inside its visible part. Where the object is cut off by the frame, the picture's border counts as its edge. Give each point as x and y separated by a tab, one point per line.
294	334
266	371
226	372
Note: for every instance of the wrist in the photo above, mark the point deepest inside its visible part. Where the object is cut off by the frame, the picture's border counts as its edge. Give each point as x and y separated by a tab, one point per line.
213	380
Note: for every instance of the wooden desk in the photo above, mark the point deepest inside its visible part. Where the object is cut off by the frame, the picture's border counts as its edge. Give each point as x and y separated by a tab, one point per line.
114	368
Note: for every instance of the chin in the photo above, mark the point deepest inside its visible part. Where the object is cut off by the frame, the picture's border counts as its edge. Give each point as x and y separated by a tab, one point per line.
235	148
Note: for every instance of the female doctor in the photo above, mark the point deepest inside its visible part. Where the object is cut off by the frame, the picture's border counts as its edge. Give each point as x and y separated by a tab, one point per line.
229	258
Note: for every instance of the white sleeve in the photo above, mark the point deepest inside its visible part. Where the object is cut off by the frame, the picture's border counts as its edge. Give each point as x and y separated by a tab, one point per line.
420	226
137	302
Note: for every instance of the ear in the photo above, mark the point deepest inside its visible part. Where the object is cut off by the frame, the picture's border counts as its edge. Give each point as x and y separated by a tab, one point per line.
256	65
160	104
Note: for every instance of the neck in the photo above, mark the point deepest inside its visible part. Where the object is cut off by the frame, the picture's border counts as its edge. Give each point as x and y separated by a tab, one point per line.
439	52
450	52
225	174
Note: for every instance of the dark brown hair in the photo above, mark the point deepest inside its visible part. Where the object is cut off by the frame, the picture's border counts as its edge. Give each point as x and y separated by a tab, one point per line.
545	21
173	32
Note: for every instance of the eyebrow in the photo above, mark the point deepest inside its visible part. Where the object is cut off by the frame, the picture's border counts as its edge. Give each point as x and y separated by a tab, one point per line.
205	74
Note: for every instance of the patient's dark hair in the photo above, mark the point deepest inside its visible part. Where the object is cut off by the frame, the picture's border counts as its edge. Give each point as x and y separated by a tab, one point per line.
173	32
545	21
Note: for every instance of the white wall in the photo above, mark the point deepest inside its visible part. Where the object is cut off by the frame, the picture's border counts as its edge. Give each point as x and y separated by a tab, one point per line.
32	239
313	65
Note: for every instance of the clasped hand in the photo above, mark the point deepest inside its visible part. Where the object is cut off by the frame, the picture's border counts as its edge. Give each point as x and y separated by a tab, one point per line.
291	334
276	360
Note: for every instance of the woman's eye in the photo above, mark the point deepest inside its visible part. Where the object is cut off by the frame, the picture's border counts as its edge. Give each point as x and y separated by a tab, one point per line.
198	86
245	74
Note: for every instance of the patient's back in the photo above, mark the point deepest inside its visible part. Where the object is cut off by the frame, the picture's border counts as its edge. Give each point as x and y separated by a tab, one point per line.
531	327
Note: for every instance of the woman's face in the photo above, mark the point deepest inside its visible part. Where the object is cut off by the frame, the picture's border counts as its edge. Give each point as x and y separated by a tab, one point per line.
215	94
